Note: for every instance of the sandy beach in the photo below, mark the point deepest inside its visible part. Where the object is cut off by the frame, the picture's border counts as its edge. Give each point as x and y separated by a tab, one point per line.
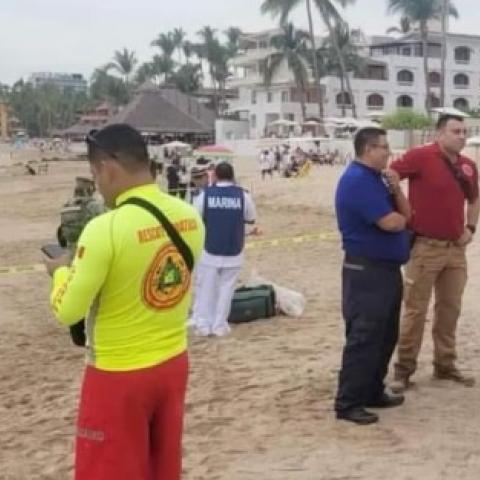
259	403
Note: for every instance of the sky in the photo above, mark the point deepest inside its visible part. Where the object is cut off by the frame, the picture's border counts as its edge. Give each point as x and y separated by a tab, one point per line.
77	36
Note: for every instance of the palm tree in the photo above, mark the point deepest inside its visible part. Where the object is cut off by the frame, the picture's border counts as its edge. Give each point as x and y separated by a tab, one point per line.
144	72
233	37
404	27
283	9
188	78
211	51
124	63
178	36
188	50
163	67
349	52
420	12
166	43
290	47
331	18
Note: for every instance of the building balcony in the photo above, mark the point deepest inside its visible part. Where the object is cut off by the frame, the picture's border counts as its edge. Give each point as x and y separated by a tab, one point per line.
251	80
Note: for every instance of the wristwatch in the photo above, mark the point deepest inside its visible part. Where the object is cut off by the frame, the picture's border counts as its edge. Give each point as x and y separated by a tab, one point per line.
472	228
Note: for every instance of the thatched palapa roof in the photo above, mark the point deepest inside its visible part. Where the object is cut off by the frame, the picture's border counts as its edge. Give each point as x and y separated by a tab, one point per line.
166	110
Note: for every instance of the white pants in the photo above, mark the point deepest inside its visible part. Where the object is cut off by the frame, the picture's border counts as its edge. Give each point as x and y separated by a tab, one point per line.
215	287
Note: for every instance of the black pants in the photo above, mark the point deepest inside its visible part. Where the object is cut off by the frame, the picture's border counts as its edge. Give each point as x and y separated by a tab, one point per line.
371	303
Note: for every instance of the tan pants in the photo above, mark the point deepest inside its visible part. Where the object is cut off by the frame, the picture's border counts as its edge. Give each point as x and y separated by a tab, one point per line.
443	266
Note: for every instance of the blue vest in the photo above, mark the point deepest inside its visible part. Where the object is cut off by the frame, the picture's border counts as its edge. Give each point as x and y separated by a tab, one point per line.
223	215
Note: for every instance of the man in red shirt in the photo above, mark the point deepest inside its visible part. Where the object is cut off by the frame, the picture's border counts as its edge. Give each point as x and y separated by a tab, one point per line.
440	180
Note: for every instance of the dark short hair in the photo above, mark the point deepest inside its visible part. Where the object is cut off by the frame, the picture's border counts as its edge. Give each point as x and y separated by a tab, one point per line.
122	143
365	137
444	119
224	171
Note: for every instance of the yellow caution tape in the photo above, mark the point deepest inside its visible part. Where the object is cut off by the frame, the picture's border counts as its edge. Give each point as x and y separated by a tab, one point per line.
23	269
251	245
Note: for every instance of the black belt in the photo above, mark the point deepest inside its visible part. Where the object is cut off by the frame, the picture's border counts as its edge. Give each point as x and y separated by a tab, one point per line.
354	261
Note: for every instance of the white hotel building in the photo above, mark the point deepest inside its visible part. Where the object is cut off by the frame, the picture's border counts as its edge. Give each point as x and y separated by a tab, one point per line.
393	77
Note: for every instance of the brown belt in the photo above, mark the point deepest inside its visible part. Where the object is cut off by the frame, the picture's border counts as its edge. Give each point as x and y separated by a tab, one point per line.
433	242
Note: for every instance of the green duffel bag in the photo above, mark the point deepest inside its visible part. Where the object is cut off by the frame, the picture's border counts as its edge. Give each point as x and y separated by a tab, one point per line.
252	303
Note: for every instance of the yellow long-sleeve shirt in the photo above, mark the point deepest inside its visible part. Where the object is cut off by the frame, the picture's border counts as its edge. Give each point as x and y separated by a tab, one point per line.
131	283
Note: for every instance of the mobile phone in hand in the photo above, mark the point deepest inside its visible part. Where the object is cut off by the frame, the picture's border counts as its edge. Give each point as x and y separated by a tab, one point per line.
52	250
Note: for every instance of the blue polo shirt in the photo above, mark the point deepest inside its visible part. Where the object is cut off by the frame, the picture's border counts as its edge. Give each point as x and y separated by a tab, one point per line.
362	199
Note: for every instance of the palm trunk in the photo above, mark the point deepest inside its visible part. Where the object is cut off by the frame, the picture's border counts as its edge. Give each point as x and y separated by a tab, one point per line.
444	50
424	36
341	61
215	92
316	73
342	88
303	103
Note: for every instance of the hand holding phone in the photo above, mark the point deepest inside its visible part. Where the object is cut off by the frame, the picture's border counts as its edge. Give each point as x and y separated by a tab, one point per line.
53	250
55	257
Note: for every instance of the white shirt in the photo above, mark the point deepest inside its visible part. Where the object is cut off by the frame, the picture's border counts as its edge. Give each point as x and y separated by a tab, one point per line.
249	215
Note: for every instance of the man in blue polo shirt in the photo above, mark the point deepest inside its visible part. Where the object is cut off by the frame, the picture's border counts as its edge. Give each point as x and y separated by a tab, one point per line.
225	208
372	214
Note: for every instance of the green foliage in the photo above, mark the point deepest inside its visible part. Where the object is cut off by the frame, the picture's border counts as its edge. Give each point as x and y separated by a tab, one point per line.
42	109
406	119
46	107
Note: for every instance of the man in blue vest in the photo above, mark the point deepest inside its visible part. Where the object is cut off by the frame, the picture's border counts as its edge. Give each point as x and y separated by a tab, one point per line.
225	208
372	214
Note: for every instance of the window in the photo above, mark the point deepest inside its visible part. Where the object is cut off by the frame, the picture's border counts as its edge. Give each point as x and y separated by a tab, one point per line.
434	101
461	80
375	102
461	104
377	72
405	101
435	79
269	97
406	51
343	99
254	97
405	77
285	97
462	55
253	121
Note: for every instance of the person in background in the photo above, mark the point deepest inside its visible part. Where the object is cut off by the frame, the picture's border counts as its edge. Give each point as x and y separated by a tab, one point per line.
134	281
173	177
198	181
265	163
443	184
372	214
225	209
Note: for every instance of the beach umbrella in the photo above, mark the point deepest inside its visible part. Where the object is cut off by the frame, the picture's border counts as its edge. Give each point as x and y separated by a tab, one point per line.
176	144
450	111
282	122
217	151
475	143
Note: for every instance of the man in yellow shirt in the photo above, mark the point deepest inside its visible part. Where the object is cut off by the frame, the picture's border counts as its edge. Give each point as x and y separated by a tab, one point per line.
131	277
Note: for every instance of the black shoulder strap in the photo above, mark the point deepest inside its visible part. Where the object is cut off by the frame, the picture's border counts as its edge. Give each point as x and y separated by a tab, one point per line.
458	176
175	237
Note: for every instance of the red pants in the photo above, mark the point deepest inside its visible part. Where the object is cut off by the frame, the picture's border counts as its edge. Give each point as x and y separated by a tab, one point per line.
130	423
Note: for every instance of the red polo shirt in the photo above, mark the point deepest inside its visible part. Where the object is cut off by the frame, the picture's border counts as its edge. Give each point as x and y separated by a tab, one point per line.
436	197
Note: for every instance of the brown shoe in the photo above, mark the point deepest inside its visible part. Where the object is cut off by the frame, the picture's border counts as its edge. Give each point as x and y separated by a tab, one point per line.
400	384
454	375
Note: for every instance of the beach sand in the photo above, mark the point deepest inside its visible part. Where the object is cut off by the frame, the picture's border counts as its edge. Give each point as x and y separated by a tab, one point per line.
259	402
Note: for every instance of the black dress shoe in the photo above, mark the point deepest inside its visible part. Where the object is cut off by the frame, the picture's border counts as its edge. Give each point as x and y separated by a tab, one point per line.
387	400
358	415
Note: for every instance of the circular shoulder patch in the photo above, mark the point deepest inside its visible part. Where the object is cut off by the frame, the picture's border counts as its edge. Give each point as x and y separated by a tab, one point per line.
167	279
467	170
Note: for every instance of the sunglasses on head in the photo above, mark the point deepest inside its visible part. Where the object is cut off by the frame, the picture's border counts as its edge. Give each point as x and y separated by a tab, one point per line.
91	139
